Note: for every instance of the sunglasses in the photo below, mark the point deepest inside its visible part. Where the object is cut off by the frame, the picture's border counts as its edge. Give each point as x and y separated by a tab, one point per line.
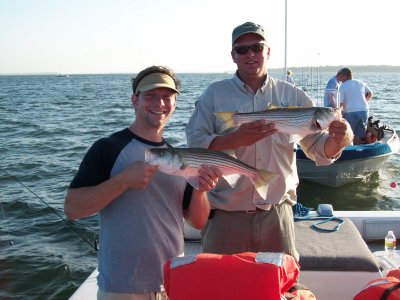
256	48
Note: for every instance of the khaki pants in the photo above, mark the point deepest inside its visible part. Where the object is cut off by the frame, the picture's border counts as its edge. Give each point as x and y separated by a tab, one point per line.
102	295
259	231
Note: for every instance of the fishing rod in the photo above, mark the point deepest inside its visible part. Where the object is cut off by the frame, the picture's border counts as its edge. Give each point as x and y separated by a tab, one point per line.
4	218
66	222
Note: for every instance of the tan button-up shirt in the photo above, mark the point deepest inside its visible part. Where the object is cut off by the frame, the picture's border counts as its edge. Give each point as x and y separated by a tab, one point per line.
274	153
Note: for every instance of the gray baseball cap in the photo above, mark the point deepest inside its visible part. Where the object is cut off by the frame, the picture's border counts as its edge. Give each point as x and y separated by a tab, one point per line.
248	27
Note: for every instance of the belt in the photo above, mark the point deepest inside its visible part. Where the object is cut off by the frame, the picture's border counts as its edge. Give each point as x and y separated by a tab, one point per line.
256	210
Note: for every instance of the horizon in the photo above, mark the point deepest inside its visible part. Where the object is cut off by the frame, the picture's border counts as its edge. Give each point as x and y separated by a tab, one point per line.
360	68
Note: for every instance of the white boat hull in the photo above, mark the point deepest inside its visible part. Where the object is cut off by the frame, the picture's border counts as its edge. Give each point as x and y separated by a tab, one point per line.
356	163
341	172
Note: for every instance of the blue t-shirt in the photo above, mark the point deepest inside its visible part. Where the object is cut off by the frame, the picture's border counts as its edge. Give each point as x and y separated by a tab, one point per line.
332	84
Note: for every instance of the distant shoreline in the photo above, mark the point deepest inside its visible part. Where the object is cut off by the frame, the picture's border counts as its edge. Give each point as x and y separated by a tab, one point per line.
368	68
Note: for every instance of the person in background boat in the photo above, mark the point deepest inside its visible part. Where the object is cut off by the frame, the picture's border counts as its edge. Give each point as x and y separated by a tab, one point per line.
354	98
141	210
240	219
332	84
289	77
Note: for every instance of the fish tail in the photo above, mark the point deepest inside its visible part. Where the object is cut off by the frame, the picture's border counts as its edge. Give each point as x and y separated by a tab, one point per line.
227	119
261	182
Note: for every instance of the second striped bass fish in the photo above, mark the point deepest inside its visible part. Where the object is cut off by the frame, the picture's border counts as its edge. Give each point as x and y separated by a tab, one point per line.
186	162
294	120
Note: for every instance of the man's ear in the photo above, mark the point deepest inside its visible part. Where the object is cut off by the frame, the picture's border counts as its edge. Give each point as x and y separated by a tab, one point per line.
233	56
134	100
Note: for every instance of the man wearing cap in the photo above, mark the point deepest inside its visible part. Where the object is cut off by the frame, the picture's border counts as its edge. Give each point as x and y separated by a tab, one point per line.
240	219
141	210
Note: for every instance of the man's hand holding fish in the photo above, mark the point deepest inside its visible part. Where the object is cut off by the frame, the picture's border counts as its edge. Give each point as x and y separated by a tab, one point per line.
208	177
246	134
340	136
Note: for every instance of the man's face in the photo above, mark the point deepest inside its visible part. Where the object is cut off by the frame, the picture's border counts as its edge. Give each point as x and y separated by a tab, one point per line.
154	107
252	61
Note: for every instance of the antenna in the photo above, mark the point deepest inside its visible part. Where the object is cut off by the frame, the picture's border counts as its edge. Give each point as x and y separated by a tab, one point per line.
285	63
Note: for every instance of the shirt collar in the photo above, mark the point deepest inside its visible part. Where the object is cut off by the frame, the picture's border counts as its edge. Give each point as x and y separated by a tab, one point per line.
245	88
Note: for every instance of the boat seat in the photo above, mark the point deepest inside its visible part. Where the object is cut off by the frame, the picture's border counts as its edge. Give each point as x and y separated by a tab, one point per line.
341	250
341	258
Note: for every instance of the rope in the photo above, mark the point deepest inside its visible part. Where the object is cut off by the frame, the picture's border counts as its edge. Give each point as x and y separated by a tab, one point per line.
301	212
66	222
325	220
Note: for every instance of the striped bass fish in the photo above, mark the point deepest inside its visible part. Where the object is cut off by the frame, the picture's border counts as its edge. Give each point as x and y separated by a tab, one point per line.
296	121
186	162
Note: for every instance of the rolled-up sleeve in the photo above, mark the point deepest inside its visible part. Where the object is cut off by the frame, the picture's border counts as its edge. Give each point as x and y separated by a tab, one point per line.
313	146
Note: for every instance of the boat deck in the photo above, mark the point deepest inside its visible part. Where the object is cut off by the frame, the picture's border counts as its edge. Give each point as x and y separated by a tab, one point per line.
328	276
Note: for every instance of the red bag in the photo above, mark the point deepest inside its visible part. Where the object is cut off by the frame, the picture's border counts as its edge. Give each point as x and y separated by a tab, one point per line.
387	288
240	276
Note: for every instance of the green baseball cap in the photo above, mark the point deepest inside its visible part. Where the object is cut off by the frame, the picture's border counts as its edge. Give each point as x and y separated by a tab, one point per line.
248	27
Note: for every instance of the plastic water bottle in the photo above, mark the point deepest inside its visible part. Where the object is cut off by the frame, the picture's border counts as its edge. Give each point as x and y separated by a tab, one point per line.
390	242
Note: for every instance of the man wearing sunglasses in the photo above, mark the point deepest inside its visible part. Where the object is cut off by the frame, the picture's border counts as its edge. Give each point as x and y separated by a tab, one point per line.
241	220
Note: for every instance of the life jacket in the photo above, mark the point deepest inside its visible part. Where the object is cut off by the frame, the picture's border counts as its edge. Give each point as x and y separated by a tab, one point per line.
387	288
299	292
243	276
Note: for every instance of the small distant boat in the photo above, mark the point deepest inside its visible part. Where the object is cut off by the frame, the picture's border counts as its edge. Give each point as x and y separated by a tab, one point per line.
355	163
62	75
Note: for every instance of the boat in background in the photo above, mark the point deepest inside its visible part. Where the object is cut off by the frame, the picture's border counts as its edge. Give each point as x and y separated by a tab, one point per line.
62	75
356	161
333	265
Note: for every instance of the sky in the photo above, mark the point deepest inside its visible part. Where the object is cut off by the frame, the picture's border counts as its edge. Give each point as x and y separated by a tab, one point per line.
126	36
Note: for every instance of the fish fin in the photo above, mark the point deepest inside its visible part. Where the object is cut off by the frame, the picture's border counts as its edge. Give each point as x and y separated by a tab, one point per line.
230	153
272	106
227	119
261	182
232	179
194	182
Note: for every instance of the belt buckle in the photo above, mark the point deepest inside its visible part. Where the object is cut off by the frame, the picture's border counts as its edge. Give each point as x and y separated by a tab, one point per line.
254	211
